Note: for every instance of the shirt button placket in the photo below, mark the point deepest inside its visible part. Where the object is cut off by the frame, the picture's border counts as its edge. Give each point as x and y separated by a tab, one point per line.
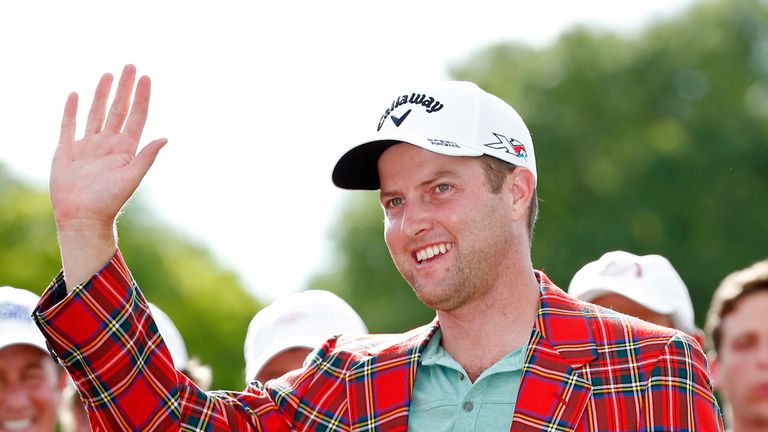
468	406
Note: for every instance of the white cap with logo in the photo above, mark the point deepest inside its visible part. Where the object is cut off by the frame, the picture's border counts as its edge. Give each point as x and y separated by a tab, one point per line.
453	118
298	320
16	325
171	337
649	280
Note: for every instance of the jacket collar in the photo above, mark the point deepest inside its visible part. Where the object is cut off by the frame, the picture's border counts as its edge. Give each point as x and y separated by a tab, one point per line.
562	323
560	327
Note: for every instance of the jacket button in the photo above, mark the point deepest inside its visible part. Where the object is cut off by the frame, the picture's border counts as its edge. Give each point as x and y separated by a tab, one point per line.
468	406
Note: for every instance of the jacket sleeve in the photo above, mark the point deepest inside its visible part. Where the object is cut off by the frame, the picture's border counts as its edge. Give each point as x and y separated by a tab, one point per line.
104	335
679	394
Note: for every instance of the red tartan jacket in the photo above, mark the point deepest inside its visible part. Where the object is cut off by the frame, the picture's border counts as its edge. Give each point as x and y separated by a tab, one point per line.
586	369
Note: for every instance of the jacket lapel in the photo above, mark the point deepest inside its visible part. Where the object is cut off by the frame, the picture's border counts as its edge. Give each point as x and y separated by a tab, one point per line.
379	385
553	391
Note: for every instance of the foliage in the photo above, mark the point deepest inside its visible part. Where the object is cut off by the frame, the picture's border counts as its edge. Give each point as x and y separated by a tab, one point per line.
206	301
652	143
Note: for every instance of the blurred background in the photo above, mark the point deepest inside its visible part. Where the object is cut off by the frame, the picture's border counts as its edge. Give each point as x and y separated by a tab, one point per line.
649	122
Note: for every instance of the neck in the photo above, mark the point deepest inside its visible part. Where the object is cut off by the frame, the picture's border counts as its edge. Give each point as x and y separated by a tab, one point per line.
481	332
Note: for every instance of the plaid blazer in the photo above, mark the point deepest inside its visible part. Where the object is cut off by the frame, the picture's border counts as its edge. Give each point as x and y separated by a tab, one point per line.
586	369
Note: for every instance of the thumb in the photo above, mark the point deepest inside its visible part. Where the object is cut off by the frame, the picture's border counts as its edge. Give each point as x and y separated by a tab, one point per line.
146	158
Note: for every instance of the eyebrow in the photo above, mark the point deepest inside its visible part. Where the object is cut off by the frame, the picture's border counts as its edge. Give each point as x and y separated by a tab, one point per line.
435	177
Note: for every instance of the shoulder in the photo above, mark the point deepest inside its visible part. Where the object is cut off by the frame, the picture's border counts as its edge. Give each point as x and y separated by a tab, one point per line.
609	332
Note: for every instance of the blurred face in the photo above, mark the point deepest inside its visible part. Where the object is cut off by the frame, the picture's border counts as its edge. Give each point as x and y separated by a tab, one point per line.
30	389
79	414
448	234
285	361
622	304
741	366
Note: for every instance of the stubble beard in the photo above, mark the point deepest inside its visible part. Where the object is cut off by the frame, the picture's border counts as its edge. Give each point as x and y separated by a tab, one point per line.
474	272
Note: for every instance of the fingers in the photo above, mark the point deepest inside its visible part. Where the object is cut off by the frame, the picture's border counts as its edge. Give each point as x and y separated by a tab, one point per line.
138	117
68	120
122	100
99	105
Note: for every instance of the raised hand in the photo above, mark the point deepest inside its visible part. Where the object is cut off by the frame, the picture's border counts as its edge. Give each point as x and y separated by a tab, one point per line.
92	178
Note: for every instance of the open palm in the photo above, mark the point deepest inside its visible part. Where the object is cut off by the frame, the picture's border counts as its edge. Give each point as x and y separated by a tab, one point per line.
92	178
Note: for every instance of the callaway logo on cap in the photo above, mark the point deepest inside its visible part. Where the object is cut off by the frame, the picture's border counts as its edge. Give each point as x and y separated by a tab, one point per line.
453	118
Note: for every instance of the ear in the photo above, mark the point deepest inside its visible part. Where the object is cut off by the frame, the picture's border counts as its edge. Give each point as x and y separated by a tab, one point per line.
714	369
521	184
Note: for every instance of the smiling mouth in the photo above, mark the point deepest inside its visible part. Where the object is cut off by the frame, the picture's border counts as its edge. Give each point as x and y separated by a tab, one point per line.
14	425
432	251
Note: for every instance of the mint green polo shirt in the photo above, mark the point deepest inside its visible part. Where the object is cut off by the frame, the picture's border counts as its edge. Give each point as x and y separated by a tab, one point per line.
444	399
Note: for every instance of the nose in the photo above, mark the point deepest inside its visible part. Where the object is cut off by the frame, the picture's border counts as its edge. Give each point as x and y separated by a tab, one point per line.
14	399
416	219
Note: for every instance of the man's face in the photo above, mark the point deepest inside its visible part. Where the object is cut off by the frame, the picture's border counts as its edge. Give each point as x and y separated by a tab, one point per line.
741	366
30	389
627	306
448	234
283	362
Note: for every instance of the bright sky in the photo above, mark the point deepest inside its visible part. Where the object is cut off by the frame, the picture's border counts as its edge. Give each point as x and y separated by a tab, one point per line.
258	99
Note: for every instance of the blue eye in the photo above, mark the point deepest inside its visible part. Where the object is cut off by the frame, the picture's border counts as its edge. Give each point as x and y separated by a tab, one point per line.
442	187
394	202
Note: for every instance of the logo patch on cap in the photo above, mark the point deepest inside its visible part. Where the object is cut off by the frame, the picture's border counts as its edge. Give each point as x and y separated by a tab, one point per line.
509	145
431	104
399	120
15	312
619	268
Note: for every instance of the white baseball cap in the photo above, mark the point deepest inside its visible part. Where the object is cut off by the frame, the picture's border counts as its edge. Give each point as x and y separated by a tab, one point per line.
454	118
649	280
16	325
171	337
298	320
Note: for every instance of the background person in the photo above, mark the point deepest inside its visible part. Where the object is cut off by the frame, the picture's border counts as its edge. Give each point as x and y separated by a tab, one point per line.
647	287
281	335
737	331
31	383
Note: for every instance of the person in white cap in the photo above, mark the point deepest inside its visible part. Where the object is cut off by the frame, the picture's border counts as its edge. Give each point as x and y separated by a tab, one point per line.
508	350
737	332
31	383
647	287
283	334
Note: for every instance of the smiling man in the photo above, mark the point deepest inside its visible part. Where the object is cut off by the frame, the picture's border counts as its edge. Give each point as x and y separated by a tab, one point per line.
508	350
31	383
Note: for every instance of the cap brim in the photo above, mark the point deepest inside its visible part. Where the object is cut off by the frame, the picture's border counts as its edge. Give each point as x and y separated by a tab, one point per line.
591	294
358	167
253	367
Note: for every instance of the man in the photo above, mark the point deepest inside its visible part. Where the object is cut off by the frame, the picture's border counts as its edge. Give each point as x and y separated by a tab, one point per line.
507	351
31	384
283	334
737	330
645	287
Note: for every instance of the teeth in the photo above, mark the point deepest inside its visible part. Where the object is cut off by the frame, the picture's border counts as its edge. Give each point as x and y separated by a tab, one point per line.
432	251
17	424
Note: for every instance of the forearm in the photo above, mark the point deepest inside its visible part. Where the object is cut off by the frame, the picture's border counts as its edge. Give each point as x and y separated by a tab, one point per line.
103	334
85	248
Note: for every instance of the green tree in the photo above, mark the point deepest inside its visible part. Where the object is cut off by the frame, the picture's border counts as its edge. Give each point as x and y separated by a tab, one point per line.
654	142
206	300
